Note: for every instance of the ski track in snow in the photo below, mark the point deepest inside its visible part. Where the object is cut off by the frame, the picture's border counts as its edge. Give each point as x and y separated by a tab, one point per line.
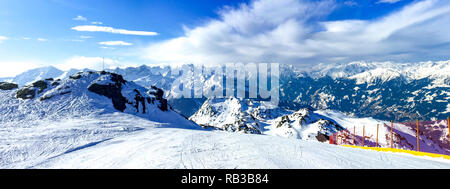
165	146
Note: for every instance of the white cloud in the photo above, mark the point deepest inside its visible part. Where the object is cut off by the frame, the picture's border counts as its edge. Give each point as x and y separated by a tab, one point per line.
81	62
94	28
42	39
293	31
388	1
97	23
26	38
80	18
13	68
115	43
350	3
103	47
2	38
85	37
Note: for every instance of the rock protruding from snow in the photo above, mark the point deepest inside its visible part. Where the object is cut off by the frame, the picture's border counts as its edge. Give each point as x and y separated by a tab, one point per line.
30	91
112	90
122	92
256	117
304	124
8	86
159	95
228	114
110	85
84	94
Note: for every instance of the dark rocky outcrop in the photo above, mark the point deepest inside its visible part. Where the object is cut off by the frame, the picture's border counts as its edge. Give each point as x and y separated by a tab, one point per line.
139	100
163	106
284	119
112	91
55	83
118	79
41	85
322	137
26	93
29	91
159	95
8	86
327	127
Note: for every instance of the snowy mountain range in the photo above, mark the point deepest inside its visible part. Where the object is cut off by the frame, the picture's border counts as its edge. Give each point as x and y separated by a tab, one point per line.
255	117
99	119
383	90
248	116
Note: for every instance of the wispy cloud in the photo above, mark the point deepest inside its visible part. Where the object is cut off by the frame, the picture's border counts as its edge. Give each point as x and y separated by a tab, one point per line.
94	28
26	38
350	3
42	39
104	47
85	37
388	1
16	67
80	18
81	62
115	43
2	38
97	23
293	31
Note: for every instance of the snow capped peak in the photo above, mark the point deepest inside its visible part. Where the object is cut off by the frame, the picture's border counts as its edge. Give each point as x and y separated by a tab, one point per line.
384	70
323	86
250	116
341	70
230	114
37	74
377	74
304	124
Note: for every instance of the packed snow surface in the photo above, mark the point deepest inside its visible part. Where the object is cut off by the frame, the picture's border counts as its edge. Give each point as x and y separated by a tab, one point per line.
122	140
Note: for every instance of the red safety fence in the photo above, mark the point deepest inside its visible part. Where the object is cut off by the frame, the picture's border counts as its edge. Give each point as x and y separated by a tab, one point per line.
424	136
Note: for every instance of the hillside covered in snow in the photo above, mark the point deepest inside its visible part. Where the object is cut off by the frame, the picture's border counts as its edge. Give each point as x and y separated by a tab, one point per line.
255	117
383	90
52	116
100	119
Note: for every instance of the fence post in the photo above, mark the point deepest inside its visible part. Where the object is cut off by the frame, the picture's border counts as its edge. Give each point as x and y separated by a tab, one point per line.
376	144
331	138
392	125
354	134
364	136
418	147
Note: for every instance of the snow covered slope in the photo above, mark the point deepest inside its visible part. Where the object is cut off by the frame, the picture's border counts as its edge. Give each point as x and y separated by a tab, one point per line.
82	94
100	120
120	140
255	117
50	117
433	137
181	148
260	117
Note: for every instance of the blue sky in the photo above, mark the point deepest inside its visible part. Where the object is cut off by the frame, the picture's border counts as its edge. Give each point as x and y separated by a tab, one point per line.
75	34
